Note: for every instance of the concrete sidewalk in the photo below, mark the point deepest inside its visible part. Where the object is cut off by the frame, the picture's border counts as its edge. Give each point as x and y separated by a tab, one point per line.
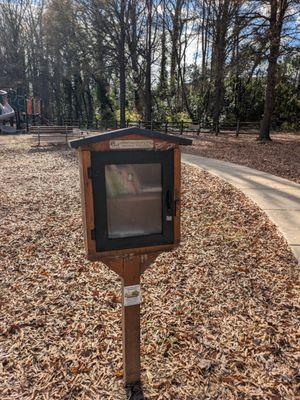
279	198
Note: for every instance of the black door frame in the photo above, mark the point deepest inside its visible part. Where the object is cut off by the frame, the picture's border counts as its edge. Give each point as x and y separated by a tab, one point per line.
98	162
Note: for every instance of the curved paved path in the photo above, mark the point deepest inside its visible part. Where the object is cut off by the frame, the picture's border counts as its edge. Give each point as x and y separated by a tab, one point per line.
279	198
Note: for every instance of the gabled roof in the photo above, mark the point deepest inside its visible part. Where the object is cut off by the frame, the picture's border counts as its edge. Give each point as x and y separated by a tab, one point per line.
101	137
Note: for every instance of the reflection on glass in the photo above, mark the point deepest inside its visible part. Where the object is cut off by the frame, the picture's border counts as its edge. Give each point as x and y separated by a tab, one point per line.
134	199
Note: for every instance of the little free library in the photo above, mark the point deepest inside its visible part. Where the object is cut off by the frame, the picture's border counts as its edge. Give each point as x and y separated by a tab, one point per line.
130	192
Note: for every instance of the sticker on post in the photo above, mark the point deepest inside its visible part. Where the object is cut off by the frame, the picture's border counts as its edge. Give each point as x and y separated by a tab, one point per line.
132	295
131	144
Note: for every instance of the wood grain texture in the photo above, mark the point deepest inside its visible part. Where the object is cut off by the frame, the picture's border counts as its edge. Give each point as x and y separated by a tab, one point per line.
131	324
99	256
87	200
116	264
159	144
87	203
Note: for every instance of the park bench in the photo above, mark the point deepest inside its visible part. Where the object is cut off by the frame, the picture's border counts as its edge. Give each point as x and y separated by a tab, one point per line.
54	134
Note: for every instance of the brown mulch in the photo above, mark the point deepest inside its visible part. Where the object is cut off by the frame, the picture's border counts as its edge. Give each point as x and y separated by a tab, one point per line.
280	157
219	314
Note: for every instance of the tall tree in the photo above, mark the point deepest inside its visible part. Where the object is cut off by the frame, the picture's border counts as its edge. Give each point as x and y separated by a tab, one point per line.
175	28
276	14
122	65
206	60
163	73
224	11
12	52
148	60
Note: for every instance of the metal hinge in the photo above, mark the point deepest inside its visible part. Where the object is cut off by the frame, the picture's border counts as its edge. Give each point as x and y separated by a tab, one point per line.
93	234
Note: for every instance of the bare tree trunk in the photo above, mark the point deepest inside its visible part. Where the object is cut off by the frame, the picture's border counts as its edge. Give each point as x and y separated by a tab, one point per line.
78	97
122	67
175	37
206	77
90	106
69	98
269	98
236	60
278	11
222	24
133	49
44	89
148	94
204	43
163	77
102	96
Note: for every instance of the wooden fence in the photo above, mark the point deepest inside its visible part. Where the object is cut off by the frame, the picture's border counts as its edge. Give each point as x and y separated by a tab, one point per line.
176	127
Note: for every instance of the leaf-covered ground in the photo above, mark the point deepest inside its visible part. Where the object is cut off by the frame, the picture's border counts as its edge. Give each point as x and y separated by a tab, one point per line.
280	157
219	314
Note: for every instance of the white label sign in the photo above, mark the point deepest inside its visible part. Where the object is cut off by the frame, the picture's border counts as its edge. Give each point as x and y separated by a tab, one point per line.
130	144
132	295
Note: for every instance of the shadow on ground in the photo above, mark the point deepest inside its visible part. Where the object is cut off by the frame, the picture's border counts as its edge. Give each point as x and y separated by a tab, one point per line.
135	392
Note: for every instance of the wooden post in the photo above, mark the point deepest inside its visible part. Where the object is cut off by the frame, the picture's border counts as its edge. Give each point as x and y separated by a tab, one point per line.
131	324
237	128
181	127
199	128
27	124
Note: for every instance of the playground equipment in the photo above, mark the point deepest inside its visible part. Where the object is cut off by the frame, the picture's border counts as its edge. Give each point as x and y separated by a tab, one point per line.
7	112
19	110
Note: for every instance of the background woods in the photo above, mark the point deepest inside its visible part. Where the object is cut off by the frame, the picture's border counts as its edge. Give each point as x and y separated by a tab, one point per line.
207	61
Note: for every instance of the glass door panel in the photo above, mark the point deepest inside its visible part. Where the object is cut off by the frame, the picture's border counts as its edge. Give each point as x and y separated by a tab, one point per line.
133	199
